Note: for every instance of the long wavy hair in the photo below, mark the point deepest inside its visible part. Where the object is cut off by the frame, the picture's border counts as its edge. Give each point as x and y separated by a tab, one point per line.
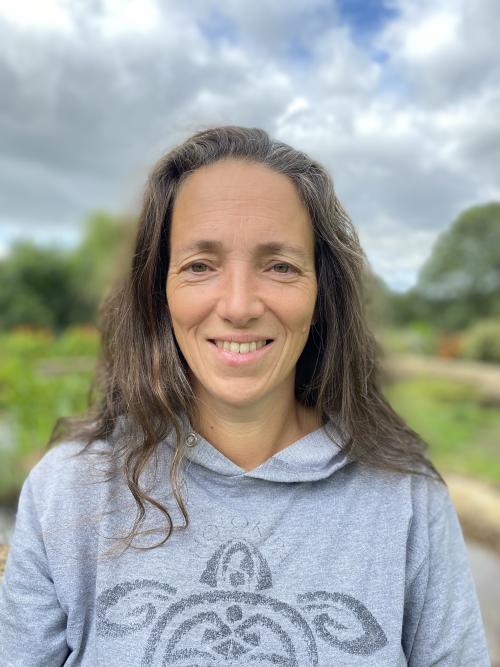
142	382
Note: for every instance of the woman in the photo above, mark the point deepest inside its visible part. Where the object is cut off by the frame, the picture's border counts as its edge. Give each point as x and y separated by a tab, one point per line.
310	528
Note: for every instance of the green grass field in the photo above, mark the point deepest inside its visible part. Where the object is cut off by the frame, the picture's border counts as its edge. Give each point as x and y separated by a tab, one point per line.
463	433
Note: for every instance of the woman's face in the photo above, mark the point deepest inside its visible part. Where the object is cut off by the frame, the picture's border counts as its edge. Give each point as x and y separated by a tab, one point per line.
241	266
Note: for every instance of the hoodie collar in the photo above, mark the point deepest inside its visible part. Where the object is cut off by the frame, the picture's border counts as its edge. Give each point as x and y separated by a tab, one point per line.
315	456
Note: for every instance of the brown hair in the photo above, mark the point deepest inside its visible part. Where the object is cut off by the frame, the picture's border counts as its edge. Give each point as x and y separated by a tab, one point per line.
142	378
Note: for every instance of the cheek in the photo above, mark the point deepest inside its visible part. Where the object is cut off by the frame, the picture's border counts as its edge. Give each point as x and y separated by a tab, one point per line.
186	307
296	308
177	309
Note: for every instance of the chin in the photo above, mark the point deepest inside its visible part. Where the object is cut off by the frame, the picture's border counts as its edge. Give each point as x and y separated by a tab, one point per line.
238	401
227	392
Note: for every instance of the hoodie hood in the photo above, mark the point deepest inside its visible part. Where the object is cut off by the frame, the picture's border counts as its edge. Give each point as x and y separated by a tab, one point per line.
313	457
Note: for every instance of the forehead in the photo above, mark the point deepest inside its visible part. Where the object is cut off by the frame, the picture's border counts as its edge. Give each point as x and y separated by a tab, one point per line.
237	177
233	185
226	196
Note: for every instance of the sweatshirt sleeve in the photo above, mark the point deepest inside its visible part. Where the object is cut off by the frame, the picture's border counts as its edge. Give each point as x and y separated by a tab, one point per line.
32	622
443	624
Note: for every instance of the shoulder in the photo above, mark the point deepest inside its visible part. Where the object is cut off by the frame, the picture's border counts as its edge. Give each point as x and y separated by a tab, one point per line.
406	501
68	476
71	457
425	494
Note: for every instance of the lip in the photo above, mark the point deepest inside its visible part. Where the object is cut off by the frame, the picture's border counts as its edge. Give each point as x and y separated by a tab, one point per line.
237	359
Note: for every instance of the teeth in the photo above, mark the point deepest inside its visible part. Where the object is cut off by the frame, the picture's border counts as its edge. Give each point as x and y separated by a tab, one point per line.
242	348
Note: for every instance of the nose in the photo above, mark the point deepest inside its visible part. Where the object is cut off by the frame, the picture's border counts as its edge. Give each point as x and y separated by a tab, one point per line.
239	300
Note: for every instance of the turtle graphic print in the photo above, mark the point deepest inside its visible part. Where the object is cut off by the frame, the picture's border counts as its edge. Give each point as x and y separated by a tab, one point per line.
234	619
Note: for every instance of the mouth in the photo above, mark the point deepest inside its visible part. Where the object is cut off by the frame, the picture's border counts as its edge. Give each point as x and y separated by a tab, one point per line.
260	343
236	358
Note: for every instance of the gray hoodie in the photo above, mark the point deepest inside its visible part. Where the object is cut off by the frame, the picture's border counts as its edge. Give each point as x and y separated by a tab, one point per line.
306	560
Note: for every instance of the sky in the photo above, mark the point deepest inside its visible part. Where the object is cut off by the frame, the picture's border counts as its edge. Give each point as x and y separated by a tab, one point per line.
400	100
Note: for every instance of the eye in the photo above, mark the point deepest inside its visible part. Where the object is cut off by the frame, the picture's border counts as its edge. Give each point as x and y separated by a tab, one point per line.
187	268
286	265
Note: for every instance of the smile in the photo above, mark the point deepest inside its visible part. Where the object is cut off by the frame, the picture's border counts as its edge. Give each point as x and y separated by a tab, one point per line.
241	348
235	354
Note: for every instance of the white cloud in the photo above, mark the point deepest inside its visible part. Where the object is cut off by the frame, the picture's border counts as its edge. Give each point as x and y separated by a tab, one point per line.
429	35
445	52
385	238
128	16
49	15
407	123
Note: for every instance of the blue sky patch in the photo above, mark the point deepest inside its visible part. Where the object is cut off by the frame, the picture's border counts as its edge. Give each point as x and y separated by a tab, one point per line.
365	17
217	27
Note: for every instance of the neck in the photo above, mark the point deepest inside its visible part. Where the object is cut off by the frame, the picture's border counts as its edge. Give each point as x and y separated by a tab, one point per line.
250	436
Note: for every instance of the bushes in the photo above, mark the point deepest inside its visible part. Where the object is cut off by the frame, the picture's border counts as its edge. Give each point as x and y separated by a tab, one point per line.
415	338
39	382
482	341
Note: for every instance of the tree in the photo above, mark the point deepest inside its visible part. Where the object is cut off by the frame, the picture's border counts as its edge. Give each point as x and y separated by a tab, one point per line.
101	254
37	288
460	282
54	288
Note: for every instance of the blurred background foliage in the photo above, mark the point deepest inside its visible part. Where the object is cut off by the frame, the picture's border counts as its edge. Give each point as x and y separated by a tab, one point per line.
447	326
54	288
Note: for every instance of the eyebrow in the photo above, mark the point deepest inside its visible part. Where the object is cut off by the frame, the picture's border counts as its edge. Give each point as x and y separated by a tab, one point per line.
262	249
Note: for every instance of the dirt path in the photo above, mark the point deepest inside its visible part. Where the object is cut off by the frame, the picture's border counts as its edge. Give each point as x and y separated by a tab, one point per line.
478	506
484	377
